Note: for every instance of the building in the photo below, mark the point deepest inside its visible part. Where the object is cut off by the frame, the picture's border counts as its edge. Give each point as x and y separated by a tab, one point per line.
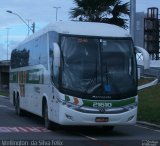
4	75
147	32
147	35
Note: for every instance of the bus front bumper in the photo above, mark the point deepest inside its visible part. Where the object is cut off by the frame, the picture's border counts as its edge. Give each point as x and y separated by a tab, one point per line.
68	116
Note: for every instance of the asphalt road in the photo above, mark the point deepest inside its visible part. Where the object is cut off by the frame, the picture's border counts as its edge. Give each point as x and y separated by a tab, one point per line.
29	131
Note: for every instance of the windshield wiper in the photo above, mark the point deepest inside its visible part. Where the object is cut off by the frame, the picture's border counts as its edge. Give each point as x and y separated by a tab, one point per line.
92	82
90	90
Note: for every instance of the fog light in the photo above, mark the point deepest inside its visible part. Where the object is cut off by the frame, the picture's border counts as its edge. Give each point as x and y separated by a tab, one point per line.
130	118
69	117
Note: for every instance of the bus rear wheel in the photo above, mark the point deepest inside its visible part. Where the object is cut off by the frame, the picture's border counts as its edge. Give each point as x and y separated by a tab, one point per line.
47	122
19	111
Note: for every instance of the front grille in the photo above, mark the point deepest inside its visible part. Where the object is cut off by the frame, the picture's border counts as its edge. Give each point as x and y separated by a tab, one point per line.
102	110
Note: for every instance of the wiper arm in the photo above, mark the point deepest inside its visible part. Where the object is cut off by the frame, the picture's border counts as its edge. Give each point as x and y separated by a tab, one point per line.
91	82
93	79
94	87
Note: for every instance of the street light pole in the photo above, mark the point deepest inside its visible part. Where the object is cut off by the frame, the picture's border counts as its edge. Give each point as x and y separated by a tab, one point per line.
28	20
57	12
32	29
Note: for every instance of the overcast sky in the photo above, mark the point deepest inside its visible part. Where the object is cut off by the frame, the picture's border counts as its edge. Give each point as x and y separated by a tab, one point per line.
41	12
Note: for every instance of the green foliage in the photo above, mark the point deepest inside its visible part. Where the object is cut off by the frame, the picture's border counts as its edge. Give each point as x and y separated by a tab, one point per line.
105	11
4	93
149	104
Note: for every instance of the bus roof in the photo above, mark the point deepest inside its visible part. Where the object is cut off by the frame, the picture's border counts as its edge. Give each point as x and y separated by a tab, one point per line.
88	28
81	28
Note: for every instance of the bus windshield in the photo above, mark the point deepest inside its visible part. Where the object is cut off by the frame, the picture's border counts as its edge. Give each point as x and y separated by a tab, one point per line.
98	66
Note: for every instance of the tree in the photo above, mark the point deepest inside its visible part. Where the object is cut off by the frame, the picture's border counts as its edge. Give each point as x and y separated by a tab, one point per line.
106	11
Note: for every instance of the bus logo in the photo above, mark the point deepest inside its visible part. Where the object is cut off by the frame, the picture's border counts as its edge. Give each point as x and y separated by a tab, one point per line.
102	110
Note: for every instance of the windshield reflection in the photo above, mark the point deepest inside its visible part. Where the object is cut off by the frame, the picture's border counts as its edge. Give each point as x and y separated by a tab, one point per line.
98	66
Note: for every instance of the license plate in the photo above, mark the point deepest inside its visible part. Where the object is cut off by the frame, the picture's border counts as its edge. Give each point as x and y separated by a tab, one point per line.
102	119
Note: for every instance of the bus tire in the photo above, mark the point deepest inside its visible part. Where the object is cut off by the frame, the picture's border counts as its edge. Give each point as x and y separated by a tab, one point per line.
19	111
14	97
47	122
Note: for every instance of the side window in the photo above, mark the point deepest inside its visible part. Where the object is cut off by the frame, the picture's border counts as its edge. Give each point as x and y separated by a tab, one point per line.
43	49
39	51
20	57
31	53
14	59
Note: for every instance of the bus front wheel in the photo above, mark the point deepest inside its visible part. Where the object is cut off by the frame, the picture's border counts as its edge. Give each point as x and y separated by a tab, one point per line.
47	122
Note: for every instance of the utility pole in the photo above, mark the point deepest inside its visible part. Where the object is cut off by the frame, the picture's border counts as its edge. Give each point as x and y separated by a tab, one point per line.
56	12
132	18
7	40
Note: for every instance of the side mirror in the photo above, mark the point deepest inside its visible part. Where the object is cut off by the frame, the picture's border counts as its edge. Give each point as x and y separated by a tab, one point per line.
56	55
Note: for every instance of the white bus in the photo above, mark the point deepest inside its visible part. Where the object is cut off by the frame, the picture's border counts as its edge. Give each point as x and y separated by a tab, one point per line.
76	73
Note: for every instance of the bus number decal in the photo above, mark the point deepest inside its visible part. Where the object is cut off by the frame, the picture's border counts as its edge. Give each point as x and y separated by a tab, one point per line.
102	105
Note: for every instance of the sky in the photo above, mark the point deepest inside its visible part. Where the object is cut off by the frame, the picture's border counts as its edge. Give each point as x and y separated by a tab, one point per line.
42	13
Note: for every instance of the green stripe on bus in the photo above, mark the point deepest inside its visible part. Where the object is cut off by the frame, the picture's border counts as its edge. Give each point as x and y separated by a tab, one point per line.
120	103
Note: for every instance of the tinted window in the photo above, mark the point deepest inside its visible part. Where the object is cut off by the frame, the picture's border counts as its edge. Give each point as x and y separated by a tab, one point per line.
31	53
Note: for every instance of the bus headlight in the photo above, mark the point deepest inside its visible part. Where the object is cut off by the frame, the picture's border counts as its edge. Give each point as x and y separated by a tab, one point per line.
130	107
68	104
71	105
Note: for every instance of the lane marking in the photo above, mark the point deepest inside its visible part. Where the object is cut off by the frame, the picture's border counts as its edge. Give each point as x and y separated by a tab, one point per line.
89	137
157	131
96	141
23	130
4	106
148	128
12	109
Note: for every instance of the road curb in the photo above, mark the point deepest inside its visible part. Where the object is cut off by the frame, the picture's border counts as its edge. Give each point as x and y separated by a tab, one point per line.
148	124
148	84
4	96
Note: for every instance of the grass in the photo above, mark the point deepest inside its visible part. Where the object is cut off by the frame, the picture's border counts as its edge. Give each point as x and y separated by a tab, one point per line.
149	104
144	80
4	93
